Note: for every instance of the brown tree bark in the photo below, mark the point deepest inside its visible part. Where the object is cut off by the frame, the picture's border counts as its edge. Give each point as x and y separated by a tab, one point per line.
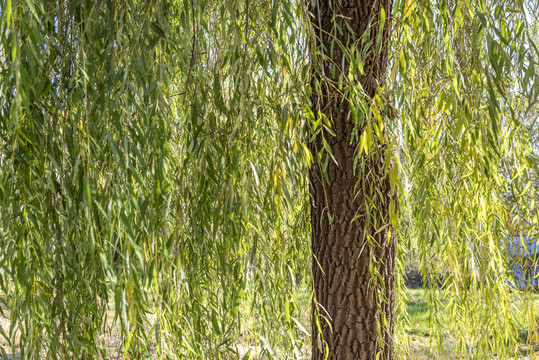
349	302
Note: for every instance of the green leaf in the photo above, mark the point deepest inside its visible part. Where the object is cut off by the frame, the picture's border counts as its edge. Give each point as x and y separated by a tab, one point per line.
8	13
381	24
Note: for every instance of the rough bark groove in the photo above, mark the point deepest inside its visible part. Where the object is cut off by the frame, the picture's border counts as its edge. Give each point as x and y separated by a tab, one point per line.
344	291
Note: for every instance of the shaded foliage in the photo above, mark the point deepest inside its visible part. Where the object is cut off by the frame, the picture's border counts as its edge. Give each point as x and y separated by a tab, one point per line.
154	162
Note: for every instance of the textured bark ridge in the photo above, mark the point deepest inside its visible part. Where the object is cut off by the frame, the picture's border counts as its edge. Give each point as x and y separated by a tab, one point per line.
353	302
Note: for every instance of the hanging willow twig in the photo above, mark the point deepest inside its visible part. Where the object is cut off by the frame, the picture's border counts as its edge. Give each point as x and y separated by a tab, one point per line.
192	61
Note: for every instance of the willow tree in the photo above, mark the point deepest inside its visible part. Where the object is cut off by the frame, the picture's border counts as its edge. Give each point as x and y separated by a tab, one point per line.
353	264
158	156
463	79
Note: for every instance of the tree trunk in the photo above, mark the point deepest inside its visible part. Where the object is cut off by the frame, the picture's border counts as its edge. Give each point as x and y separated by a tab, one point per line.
350	208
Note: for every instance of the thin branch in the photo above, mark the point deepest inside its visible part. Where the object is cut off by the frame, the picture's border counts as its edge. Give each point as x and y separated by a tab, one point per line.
192	52
246	33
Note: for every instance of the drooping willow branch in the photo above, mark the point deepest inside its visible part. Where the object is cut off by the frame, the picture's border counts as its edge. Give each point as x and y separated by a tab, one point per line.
192	52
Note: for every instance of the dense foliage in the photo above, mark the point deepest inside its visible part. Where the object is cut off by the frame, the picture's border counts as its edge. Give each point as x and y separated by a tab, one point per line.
154	171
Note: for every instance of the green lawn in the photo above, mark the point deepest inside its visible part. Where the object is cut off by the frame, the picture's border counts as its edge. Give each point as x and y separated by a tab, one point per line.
419	331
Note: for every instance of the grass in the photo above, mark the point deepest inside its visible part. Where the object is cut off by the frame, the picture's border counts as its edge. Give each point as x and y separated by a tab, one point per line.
419	331
418	310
